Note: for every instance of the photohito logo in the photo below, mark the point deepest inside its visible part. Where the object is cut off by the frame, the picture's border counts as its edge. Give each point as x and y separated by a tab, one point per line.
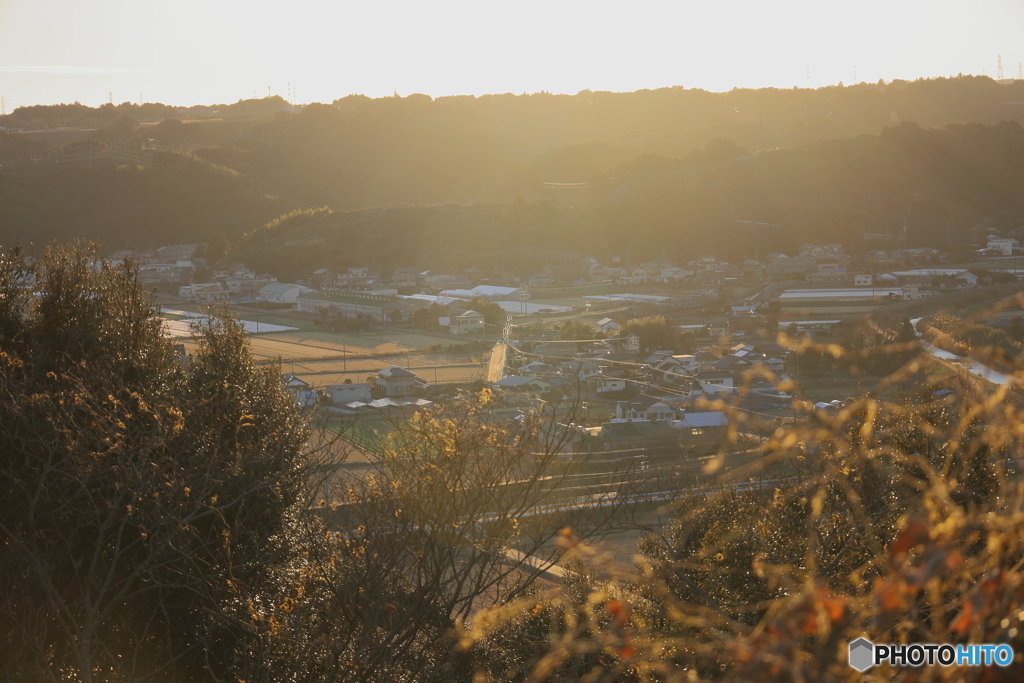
864	654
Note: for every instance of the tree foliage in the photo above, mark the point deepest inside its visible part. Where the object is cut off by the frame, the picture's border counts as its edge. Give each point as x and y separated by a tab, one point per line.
655	332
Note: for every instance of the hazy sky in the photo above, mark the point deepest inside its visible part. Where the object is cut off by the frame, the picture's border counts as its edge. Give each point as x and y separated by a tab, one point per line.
208	51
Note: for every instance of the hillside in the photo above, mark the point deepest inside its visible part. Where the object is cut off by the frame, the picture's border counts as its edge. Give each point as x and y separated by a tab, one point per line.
668	170
944	186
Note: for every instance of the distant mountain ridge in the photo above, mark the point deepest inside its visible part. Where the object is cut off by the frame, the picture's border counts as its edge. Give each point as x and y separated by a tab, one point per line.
668	168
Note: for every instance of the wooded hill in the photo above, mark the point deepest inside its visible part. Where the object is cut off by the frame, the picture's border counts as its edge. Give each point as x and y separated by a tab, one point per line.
943	187
672	171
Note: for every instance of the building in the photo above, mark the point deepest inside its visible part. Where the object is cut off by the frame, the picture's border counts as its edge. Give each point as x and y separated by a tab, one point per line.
611	384
862	280
651	437
397	381
644	407
715	381
579	369
349	393
282	292
710	424
489	292
304	394
350	304
469	322
607	325
1003	245
518	383
203	291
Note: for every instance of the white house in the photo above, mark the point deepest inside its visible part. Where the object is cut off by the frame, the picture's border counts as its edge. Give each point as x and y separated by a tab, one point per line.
716	381
203	291
282	292
636	275
644	408
675	368
469	322
967	279
862	280
398	381
607	325
1004	245
608	384
348	393
580	369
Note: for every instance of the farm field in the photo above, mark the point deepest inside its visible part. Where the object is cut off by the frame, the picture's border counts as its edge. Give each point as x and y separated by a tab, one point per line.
307	345
434	375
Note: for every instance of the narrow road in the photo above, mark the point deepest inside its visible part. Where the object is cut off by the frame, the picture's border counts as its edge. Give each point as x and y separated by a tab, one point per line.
496	365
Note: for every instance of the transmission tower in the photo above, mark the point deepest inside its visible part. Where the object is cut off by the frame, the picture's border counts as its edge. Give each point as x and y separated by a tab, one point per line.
1020	71
3	106
110	98
999	68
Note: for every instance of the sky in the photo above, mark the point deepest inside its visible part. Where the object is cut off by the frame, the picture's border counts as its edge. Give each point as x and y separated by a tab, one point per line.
216	51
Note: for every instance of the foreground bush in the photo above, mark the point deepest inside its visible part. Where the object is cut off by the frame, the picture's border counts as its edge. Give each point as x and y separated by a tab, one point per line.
900	519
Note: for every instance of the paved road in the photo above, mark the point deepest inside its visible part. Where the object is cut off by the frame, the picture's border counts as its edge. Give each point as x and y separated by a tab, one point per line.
496	364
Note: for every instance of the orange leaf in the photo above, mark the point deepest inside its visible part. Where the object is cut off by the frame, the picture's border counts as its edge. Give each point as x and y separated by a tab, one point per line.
966	618
913	534
889	594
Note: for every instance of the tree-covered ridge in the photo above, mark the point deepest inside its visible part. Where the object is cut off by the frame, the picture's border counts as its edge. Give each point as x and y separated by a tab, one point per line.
175	198
680	168
941	187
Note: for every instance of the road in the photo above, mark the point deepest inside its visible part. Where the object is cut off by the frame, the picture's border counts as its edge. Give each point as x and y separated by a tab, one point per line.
496	364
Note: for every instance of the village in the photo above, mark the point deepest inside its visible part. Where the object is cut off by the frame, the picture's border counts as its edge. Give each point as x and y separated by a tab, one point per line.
364	345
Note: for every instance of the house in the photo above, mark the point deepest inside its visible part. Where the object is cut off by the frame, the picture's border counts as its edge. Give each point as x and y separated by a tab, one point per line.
611	384
644	407
715	381
281	292
294	383
675	368
862	280
1002	245
469	322
636	275
579	369
607	325
967	279
203	291
520	383
348	393
557	349
300	389
536	369
322	277
704	358
713	424
397	381
649	436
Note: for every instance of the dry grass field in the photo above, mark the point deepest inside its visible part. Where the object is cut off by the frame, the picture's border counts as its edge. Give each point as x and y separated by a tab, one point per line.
305	345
